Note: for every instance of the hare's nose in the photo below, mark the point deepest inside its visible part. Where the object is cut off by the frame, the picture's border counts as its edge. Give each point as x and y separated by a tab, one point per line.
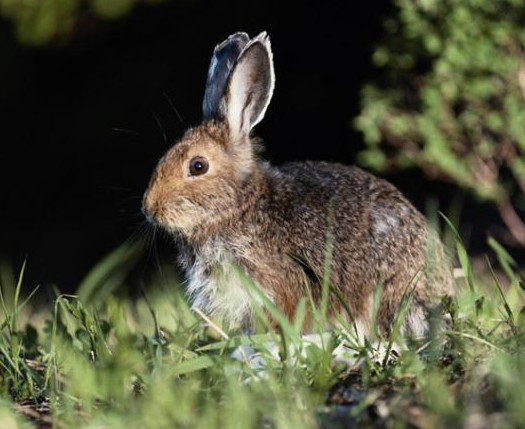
148	214
149	209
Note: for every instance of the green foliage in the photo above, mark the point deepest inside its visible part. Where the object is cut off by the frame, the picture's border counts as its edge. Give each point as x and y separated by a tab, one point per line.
154	362
38	22
451	98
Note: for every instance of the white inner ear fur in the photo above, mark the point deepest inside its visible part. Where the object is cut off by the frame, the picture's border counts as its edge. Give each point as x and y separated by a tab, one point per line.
239	94
251	86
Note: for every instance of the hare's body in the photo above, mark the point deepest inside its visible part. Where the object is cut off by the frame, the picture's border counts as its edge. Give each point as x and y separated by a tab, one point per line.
234	215
375	235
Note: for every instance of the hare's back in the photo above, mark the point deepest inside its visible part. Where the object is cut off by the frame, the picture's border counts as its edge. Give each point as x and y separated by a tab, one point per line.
377	234
328	181
368	212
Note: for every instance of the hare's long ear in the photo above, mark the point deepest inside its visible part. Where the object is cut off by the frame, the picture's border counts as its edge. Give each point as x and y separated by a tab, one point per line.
223	60
250	87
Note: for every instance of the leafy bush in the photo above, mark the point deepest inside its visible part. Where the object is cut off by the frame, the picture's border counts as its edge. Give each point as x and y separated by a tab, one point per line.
451	99
38	22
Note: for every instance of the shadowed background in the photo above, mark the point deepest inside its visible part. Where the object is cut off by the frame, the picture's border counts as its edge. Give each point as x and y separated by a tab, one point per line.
84	121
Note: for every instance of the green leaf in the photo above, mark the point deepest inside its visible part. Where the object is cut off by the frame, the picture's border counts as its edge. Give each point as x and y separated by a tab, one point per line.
192	365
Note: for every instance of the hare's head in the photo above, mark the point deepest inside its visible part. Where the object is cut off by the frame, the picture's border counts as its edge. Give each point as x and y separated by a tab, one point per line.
203	179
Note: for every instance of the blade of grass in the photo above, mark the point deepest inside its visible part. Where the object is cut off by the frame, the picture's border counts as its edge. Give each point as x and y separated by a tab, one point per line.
506	306
234	342
462	253
31	294
192	365
346	308
505	260
473	337
376	302
404	308
18	288
97	284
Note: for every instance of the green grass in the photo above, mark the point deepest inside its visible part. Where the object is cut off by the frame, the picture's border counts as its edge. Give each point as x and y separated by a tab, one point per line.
97	359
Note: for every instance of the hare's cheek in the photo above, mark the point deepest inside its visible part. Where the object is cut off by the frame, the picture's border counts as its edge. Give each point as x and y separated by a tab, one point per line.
181	213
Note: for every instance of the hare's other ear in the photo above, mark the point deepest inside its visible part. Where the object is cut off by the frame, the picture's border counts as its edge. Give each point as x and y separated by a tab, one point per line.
222	62
250	87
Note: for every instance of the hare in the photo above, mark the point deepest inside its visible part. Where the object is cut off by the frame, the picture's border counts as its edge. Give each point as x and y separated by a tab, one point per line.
232	213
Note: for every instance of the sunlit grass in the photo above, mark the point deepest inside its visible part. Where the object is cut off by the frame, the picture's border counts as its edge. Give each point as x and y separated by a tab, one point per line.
97	359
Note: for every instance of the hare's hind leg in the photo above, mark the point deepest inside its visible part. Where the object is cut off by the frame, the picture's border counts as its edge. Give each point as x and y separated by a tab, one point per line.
404	296
416	323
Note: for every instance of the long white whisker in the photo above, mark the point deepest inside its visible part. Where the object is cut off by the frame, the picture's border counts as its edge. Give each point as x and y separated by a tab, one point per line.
173	107
161	128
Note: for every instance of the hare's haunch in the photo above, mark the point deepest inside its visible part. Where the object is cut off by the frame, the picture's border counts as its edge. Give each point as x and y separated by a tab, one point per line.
234	215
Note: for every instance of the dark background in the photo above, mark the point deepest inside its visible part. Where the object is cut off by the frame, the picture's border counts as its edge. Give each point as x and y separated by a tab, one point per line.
83	123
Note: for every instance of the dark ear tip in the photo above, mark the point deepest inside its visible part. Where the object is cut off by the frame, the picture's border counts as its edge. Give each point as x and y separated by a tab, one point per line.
223	60
240	38
240	35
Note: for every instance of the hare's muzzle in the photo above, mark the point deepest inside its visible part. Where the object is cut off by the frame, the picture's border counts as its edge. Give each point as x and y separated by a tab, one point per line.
150	208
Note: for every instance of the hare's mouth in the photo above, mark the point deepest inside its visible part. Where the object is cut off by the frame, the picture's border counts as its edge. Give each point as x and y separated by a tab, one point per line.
156	214
178	215
153	216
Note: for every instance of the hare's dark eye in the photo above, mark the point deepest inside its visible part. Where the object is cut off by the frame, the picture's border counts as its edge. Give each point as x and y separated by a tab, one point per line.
198	166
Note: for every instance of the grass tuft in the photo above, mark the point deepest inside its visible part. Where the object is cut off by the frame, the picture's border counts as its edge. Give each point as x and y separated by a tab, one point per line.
97	360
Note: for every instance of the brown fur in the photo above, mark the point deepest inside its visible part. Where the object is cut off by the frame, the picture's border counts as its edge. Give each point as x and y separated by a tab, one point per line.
276	223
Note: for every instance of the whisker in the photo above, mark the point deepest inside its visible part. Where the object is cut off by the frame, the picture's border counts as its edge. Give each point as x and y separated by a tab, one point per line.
125	131
150	242
140	232
156	255
134	215
133	197
165	235
161	128
173	108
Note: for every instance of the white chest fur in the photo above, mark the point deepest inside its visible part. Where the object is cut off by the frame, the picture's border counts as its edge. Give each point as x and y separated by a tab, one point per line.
216	284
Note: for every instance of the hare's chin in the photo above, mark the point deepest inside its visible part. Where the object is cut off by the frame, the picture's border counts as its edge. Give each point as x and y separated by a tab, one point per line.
179	224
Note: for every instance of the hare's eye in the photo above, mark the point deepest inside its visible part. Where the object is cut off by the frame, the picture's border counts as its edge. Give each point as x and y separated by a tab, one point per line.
198	166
